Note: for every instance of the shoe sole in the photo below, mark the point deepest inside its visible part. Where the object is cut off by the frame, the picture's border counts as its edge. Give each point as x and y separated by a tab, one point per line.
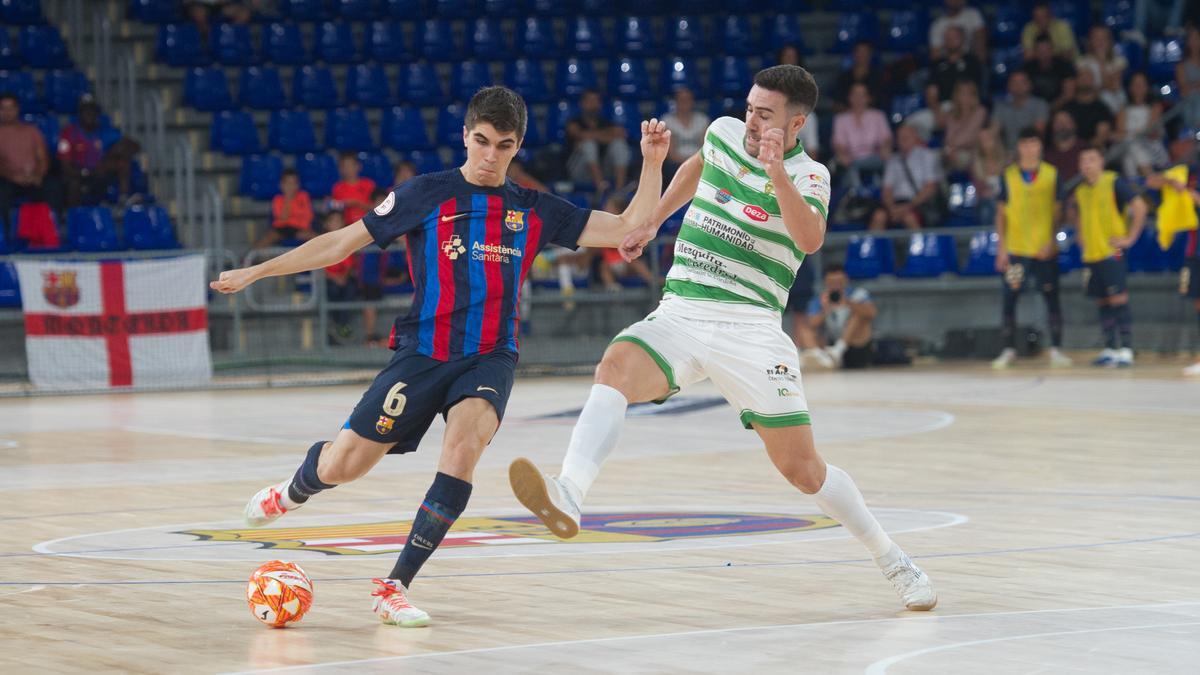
415	623
923	608
530	488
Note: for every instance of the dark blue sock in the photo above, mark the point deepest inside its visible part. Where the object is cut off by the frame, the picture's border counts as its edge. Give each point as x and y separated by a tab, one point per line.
446	499
305	483
1108	326
1125	324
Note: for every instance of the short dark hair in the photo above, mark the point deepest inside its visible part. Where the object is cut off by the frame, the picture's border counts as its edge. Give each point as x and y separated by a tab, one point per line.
347	154
794	82
1091	147
500	107
6	95
1027	133
289	173
833	268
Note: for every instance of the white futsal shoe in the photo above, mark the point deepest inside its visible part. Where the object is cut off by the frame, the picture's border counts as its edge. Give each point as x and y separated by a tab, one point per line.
1124	357
1007	356
820	356
1059	359
911	584
267	505
392	606
545	497
1192	370
1106	359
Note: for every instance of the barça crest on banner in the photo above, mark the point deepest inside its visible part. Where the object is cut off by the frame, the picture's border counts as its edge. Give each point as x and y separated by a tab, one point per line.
59	288
514	220
384	425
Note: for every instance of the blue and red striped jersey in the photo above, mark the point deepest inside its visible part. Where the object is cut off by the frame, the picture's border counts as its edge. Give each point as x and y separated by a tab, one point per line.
469	249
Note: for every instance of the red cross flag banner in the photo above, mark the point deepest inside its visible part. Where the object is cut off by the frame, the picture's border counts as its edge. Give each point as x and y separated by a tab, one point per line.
116	323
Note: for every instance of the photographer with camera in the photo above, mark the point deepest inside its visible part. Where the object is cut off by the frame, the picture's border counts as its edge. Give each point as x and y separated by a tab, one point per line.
841	319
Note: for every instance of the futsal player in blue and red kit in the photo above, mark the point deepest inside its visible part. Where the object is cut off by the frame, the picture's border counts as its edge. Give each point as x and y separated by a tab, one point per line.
472	237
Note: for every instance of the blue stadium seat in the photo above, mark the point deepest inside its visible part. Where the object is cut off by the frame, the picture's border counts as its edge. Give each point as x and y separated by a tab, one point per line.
312	87
486	41
903	106
437	40
1162	58
19	83
468	77
420	84
868	257
43	47
283	44
737	36
1133	53
91	229
627	78
981	255
679	72
403	129
48	125
556	120
9	59
357	10
785	32
377	167
450	125
553	7
730	75
63	89
347	129
505	9
627	115
575	76
455	9
10	289
635	36
586	36
179	45
207	89
1145	255
1004	61
929	255
155	11
318	172
260	175
534	138
536	38
853	27
21	12
1077	14
233	133
427	161
528	79
1118	15
336	43
685	35
367	86
1070	255
292	131
148	228
963	202
305	10
260	88
908	31
1007	25
403	9
600	7
232	45
387	43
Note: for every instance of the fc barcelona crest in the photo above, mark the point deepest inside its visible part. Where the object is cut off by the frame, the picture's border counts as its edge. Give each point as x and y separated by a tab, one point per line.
384	425
514	220
60	289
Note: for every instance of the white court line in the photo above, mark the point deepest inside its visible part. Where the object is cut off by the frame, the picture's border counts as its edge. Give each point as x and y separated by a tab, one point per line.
8	445
710	631
27	590
880	667
208	436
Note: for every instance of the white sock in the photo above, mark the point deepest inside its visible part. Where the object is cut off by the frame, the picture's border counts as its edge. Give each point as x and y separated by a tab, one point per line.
840	499
566	277
595	436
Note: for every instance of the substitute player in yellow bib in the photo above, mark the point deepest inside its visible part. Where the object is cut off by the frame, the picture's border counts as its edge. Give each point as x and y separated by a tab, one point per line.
1027	209
758	206
1099	204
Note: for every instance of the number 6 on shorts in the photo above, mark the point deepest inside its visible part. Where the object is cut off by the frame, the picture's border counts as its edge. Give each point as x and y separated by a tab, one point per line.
393	403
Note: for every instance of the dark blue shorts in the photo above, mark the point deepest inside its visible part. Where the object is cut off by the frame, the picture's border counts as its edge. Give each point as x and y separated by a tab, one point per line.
413	389
1106	278
1023	270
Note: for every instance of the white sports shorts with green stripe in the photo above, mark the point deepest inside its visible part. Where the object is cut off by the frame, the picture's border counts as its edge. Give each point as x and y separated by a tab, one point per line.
746	354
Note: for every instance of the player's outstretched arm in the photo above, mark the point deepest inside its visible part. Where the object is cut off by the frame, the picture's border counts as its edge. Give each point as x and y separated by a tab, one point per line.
681	191
803	222
327	249
608	230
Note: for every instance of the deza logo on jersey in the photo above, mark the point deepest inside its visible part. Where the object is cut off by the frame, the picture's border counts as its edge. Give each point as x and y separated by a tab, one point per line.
755	213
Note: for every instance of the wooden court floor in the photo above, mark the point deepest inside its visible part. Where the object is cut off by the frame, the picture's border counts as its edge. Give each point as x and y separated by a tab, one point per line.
1058	514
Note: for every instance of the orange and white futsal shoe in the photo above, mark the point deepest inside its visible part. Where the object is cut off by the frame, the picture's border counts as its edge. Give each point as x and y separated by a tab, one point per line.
267	505
392	606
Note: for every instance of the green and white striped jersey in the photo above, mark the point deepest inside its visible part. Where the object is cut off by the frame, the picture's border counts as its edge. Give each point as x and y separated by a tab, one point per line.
733	246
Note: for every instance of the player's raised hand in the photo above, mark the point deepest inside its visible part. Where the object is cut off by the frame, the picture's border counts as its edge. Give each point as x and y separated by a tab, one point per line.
656	140
770	149
232	281
634	242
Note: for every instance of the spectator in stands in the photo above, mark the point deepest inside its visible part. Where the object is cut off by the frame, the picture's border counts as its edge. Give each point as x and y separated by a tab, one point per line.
23	158
1062	37
204	13
986	171
1139	128
1021	110
1093	120
841	319
687	126
352	194
800	297
1187	75
911	184
92	158
291	212
599	149
863	70
955	65
340	285
522	177
862	138
962	123
1053	77
1064	147
789	55
1151	17
969	19
1106	65
612	266
924	120
404	171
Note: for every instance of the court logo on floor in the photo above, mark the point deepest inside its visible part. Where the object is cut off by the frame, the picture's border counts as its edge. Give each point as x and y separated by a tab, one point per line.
604	528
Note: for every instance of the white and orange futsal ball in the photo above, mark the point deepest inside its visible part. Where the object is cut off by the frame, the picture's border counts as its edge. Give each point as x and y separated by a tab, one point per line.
279	593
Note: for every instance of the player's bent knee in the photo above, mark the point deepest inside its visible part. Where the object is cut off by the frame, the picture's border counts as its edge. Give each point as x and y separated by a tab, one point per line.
627	368
807	477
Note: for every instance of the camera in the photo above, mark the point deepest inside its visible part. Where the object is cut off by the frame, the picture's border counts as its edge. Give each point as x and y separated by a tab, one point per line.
835	296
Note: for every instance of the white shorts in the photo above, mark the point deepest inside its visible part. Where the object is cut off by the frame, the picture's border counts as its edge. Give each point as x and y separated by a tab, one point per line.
754	364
